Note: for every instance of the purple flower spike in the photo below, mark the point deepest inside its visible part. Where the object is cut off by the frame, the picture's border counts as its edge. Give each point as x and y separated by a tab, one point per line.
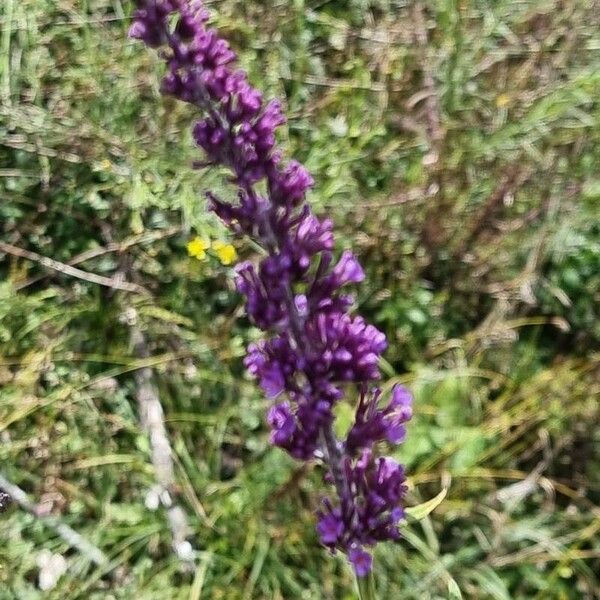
312	346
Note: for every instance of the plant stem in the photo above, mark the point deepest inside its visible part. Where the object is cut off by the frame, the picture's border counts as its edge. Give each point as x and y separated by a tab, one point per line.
366	587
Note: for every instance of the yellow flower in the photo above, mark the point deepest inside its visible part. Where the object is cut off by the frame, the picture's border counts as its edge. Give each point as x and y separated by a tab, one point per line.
503	100
198	247
225	252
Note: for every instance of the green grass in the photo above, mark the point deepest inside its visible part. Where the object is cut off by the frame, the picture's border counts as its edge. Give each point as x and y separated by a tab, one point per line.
483	268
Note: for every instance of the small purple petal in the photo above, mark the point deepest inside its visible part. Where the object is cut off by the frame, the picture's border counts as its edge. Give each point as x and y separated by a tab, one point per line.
272	381
348	270
395	434
361	561
401	402
282	421
330	528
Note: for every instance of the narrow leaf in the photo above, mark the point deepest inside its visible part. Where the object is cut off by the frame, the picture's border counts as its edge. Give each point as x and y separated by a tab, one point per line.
420	511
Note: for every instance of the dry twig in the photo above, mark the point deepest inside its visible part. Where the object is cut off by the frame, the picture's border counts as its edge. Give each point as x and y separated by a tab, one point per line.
69	535
153	422
56	265
435	132
108	249
433	234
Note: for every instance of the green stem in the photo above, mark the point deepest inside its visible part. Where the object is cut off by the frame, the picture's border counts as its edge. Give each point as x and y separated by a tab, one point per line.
366	587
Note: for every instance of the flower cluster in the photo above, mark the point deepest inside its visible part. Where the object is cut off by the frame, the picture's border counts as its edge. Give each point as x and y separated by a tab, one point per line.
369	512
313	347
198	247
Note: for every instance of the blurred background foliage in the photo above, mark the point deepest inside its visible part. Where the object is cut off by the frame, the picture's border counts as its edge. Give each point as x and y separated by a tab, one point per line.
456	145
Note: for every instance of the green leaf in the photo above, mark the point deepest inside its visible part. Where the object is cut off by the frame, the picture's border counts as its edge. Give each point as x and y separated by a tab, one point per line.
420	511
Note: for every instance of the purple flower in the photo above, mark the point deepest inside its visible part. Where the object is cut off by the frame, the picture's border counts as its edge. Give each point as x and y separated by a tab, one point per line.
370	507
291	184
272	381
401	402
397	414
312	346
373	424
348	270
283	424
361	561
345	347
330	527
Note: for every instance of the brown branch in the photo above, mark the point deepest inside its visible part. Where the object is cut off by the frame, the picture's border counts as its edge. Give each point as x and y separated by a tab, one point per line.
55	265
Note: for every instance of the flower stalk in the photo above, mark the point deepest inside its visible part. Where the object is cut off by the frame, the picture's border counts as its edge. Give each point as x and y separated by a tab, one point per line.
366	587
314	350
